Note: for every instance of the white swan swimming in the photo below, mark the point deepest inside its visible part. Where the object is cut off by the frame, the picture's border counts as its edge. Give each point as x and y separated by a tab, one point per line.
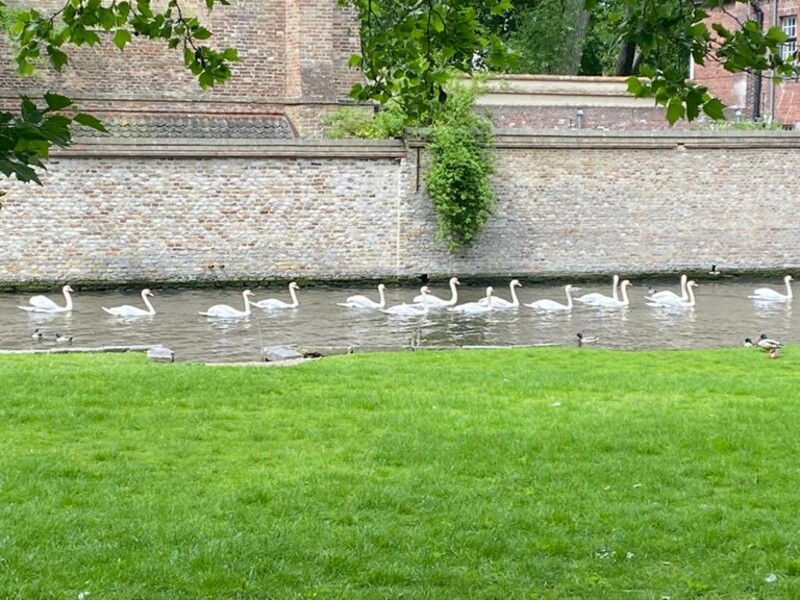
607	302
223	311
676	302
271	303
359	301
552	305
474	308
596	298
502	302
770	295
655	297
43	304
126	310
410	310
435	301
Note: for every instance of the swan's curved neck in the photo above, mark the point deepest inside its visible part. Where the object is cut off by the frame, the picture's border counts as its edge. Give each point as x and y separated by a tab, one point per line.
569	298
293	294
684	289
514	299
247	310
381	298
624	291
788	289
453	293
150	308
614	289
68	298
690	289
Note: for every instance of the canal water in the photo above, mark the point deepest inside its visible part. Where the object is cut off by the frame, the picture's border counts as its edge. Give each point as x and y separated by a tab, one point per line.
723	317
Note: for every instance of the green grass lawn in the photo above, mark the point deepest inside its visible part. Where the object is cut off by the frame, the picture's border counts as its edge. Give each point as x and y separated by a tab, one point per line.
489	474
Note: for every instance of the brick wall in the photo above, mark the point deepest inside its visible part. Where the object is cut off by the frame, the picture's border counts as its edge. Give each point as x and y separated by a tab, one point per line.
567	203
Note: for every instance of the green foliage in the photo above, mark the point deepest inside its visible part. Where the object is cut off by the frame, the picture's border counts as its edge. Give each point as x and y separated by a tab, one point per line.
745	125
26	138
350	122
489	474
457	179
410	49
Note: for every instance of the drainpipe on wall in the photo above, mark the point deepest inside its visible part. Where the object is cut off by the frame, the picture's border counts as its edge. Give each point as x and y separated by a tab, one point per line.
759	14
772	85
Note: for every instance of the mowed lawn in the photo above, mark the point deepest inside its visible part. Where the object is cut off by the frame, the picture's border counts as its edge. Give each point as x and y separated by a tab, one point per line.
485	474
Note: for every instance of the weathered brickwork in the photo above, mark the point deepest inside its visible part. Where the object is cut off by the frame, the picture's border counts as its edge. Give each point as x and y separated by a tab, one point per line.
737	90
566	204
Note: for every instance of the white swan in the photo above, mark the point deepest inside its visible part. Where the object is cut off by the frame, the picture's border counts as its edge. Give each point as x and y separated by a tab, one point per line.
596	298
126	310
676	302
474	308
43	304
552	305
410	310
613	302
223	311
271	303
502	302
360	301
655	297
435	301
771	295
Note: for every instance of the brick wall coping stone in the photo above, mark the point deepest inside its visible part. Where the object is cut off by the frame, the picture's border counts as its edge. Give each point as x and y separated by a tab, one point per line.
227	148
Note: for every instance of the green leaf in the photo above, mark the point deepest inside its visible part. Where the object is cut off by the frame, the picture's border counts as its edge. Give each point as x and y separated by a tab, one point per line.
675	110
56	102
230	54
715	109
90	121
122	38
57	58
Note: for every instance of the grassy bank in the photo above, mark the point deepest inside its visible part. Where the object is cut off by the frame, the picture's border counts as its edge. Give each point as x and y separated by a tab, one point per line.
548	473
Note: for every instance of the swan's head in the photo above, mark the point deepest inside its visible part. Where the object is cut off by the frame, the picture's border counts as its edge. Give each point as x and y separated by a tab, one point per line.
147	292
381	287
684	278
293	286
626	283
515	283
571	288
247	293
788	278
454	281
692	284
489	291
67	288
424	290
616	279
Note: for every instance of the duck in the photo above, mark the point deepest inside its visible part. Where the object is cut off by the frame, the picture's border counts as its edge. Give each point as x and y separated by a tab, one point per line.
774	353
770	295
223	311
275	303
436	302
596	297
410	310
607	302
675	301
38	335
128	311
359	301
585	339
748	343
63	339
475	308
43	304
714	272
667	294
502	302
766	343
552	305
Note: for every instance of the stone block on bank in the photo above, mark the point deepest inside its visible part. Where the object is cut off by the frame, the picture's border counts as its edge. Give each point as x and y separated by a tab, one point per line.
279	353
160	354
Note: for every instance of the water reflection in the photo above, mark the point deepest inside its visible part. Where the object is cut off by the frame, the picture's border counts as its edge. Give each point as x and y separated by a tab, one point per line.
724	316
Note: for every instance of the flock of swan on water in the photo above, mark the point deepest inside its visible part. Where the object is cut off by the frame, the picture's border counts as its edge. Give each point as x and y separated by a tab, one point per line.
426	301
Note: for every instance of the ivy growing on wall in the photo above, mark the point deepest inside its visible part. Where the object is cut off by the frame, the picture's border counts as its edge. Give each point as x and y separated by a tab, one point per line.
457	180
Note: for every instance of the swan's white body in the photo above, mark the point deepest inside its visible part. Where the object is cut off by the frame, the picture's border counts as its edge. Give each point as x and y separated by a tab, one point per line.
474	308
126	310
676	302
360	301
684	297
552	305
502	302
410	310
607	302
273	303
597	298
43	304
771	295
436	302
223	311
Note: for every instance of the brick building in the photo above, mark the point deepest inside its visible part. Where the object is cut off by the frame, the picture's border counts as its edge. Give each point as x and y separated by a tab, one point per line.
756	97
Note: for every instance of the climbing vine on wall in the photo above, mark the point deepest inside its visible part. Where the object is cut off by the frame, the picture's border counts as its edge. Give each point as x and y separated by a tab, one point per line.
461	163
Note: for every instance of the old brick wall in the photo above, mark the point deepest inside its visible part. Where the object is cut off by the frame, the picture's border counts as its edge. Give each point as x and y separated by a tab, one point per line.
567	203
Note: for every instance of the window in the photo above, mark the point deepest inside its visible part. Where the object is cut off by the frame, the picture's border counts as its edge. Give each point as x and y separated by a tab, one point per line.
789	27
